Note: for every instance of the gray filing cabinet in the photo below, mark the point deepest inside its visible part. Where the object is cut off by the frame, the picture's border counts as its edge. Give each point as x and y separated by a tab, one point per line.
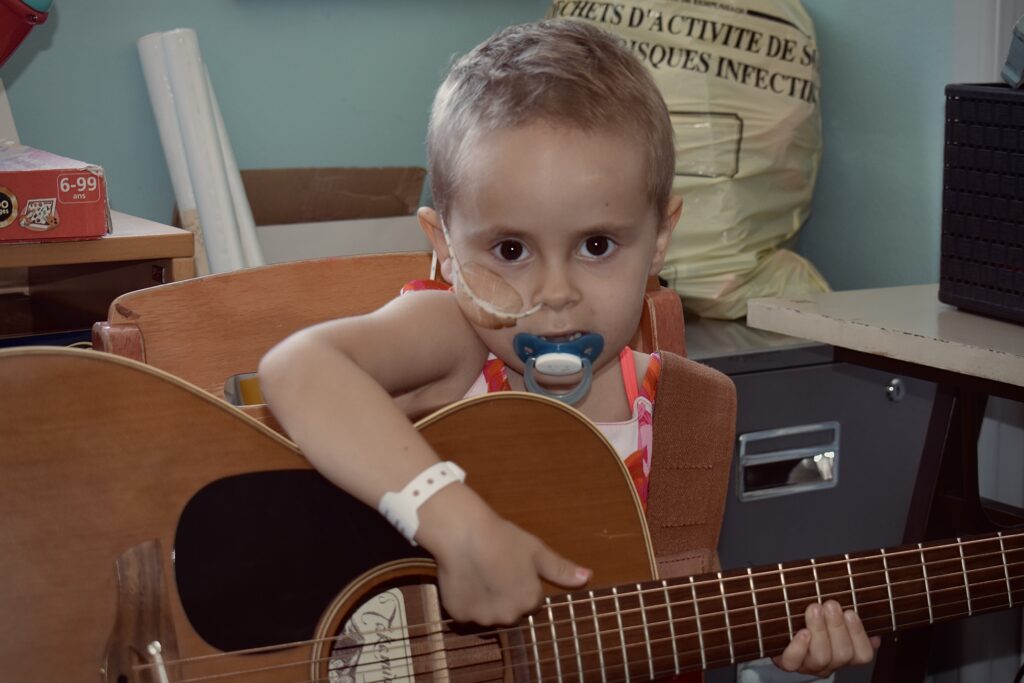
826	454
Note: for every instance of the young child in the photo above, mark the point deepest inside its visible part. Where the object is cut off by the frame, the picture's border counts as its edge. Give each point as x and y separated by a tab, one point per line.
551	158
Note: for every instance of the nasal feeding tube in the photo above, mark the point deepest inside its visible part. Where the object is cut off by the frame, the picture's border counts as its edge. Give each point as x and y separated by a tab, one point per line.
503	307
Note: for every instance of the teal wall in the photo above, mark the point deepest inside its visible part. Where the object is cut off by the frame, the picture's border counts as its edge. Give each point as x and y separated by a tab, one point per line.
349	83
877	210
299	82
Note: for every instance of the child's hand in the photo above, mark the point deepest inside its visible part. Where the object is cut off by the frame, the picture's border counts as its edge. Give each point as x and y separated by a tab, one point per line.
833	639
489	570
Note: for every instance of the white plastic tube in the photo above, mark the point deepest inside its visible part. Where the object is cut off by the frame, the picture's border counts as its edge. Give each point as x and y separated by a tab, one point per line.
161	98
251	250
187	76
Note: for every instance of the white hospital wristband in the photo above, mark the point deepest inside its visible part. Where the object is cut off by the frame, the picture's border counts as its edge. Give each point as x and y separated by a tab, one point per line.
400	508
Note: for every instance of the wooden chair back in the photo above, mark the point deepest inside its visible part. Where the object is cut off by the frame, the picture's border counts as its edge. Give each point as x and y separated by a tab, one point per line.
209	329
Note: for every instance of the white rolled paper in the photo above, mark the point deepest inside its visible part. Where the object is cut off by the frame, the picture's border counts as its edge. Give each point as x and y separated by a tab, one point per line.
251	250
161	97
187	76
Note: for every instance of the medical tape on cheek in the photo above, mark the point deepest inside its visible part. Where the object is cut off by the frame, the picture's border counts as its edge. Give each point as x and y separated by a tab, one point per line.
485	297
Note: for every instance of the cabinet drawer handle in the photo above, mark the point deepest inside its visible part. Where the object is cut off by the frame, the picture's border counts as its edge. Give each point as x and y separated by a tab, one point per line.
788	460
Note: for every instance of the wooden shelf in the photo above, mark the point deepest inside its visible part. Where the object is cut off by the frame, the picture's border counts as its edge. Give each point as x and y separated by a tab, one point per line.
58	286
132	239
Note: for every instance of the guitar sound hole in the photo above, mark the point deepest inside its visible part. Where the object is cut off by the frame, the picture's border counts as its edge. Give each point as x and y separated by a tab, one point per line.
399	633
260	556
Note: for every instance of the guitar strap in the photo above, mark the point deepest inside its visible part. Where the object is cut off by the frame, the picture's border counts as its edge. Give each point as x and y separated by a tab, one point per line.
694	427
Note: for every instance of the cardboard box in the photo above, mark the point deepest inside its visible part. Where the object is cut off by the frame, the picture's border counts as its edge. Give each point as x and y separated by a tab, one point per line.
307	213
44	196
281	243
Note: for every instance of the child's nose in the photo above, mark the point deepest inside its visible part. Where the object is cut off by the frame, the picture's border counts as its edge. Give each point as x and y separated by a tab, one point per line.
557	289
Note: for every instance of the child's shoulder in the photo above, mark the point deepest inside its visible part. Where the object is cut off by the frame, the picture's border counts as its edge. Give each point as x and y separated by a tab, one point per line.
436	342
647	370
433	316
644	362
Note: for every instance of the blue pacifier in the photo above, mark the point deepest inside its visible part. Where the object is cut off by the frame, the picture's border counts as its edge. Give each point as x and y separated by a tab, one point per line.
558	359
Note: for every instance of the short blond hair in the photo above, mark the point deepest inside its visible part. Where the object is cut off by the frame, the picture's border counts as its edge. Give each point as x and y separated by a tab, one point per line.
562	72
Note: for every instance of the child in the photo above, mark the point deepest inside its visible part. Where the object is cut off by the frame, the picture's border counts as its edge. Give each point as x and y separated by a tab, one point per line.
551	157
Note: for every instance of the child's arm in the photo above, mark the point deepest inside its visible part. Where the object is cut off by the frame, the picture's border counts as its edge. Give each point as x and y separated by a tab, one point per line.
833	639
343	390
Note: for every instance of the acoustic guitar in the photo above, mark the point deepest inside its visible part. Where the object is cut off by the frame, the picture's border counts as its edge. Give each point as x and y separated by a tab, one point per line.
151	532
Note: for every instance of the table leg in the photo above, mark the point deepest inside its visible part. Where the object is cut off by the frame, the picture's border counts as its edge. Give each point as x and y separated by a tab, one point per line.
946	502
938	441
904	657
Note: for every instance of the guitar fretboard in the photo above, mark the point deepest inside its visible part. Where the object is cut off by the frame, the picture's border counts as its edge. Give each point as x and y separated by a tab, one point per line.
650	630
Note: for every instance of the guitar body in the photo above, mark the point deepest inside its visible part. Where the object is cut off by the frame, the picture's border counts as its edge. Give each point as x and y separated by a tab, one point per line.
107	466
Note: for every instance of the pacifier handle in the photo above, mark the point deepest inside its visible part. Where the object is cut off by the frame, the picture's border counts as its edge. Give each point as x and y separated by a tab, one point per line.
558	358
570	397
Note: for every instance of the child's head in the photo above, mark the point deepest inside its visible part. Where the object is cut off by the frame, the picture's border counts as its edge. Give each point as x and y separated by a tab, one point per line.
563	73
552	160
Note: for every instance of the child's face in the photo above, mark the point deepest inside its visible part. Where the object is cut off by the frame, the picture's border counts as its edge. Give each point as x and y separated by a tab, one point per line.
563	216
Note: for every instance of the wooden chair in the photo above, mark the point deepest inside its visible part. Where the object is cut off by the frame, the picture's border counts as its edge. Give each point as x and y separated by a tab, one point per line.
209	329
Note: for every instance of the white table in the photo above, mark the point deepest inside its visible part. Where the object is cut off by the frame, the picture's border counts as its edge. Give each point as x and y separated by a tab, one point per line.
908	324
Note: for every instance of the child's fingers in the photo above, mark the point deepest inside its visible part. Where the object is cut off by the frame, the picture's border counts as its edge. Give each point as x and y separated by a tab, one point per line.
863	647
840	638
558	570
795	653
820	652
833	639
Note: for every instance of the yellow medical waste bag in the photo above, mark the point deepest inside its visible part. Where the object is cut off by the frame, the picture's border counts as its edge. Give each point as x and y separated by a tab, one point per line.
742	86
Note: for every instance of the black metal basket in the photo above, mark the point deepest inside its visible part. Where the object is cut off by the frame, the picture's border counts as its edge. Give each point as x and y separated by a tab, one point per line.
982	268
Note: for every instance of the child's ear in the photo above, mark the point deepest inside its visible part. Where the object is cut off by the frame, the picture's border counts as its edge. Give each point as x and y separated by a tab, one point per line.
665	228
430	224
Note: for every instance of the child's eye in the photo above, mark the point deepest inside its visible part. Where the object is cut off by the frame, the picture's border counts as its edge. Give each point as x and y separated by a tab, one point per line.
597	246
510	250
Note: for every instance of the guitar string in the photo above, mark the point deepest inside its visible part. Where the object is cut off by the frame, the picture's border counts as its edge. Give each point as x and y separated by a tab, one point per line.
883	618
500	670
706	615
743	578
693	666
500	650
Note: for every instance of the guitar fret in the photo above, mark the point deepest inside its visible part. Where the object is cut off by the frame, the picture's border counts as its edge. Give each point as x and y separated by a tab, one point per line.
622	634
757	617
853	589
575	636
671	625
817	584
785	600
554	640
647	634
597	634
1006	570
536	649
761	616
963	565
888	587
927	589
700	631
725	613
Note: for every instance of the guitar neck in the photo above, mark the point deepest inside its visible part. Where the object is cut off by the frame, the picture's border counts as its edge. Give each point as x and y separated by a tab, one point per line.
655	629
